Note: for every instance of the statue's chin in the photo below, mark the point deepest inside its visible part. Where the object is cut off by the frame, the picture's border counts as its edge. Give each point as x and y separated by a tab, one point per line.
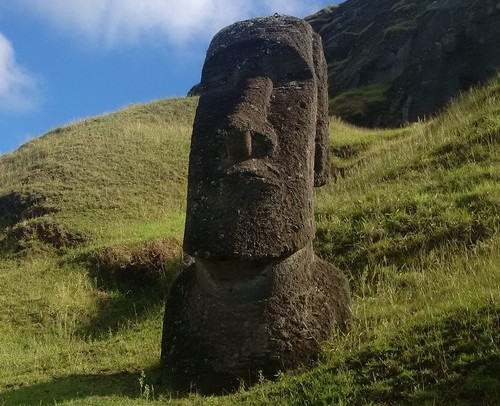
247	279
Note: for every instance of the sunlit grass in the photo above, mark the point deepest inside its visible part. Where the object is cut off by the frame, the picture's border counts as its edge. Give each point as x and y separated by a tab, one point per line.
411	215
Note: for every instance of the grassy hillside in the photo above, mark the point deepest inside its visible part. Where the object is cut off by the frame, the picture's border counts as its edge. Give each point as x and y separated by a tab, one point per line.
112	176
91	217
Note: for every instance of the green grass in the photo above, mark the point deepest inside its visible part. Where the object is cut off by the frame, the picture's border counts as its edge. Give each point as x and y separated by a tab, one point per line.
356	104
400	27
117	176
411	216
403	6
413	190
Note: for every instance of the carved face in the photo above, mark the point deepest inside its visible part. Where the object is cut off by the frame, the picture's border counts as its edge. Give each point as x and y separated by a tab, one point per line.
251	167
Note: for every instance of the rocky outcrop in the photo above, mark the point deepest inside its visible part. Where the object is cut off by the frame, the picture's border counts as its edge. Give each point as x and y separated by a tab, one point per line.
395	61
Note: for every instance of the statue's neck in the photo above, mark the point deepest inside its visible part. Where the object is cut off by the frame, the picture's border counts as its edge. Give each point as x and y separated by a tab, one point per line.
253	279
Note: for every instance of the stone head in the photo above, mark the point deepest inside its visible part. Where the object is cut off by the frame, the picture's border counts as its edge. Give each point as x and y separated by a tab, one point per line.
259	143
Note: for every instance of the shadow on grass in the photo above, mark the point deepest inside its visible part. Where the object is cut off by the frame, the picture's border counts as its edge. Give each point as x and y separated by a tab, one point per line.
120	311
74	387
128	294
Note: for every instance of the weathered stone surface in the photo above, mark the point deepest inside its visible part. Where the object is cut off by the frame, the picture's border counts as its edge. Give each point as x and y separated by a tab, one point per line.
256	298
228	322
425	51
254	133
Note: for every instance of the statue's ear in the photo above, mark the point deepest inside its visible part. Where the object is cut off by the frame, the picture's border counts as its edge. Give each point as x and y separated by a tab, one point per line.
322	141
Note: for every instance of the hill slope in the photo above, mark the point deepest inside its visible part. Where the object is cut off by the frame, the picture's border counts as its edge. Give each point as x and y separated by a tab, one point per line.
393	61
113	170
90	223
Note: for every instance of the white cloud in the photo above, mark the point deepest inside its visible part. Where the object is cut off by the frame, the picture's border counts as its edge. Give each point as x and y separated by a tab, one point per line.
116	22
18	90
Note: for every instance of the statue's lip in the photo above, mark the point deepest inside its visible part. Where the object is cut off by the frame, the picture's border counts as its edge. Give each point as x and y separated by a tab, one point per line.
252	168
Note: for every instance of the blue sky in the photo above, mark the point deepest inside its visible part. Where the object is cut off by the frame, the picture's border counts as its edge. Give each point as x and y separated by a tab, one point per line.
65	60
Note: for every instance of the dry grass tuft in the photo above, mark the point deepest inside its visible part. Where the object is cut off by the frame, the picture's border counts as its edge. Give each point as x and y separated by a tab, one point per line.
137	267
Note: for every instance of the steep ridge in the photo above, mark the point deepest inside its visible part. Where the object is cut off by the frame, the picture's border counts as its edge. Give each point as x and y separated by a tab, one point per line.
395	61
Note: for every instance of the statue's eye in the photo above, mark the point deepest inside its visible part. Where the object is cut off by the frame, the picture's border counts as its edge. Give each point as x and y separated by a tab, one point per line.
224	79
219	80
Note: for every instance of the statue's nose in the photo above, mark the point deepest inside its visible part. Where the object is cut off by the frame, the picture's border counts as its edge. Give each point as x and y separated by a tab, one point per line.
248	133
238	143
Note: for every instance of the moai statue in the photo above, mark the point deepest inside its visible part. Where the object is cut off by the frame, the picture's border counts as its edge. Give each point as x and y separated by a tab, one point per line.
256	300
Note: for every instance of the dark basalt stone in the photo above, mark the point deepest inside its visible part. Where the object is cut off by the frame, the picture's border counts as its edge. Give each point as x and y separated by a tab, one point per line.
232	321
254	140
256	299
